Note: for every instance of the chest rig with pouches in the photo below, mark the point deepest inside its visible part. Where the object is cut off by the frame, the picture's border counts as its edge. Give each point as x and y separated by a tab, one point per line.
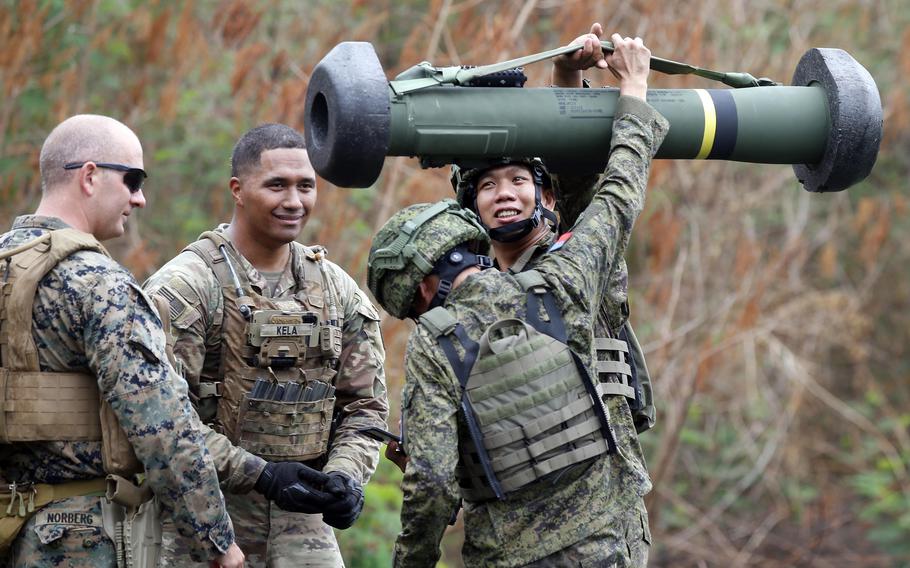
530	405
279	357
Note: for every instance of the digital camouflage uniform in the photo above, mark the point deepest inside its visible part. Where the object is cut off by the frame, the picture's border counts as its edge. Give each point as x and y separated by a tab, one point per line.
594	513
267	535
91	316
574	195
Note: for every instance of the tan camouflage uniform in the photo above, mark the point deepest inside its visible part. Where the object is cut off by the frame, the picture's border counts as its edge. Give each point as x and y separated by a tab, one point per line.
594	514
90	315
267	535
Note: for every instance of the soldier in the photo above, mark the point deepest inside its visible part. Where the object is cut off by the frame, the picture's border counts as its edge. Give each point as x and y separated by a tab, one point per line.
281	349
499	406
519	239
73	322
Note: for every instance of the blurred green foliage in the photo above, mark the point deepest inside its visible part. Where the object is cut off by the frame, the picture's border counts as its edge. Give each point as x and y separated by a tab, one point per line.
369	542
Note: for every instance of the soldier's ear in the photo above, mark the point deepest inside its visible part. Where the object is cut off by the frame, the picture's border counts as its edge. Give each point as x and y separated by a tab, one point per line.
426	291
88	178
235	191
548	198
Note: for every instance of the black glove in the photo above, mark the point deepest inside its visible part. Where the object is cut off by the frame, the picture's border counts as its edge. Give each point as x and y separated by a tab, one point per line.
348	503
295	487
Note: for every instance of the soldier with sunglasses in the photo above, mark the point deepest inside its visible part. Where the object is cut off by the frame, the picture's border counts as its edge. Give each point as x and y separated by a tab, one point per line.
75	324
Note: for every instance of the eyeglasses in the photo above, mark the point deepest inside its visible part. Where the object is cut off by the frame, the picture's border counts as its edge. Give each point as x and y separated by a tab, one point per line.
133	178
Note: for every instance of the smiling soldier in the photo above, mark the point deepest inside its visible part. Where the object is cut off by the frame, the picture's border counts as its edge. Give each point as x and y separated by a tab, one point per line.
283	355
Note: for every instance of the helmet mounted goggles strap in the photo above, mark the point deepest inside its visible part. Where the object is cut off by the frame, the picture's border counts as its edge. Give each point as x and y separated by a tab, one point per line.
452	263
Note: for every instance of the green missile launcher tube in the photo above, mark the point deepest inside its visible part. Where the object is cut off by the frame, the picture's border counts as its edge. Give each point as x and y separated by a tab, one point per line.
828	124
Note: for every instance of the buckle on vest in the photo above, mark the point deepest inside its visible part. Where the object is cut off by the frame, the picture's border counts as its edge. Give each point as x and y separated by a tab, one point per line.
210	390
23	495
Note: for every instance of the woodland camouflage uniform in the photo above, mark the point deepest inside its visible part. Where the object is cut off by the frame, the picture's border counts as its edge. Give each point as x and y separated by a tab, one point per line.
91	316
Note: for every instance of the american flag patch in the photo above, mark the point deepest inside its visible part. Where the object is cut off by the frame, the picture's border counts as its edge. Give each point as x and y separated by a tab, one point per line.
560	242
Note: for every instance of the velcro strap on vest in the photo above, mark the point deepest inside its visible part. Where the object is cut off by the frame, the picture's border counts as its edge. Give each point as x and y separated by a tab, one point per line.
617	367
616	389
44	406
438	321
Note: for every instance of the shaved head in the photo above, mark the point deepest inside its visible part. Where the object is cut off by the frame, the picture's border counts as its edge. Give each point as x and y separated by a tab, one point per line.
83	138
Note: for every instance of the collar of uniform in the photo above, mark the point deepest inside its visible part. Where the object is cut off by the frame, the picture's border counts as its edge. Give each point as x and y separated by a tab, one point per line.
545	243
254	277
39	222
541	246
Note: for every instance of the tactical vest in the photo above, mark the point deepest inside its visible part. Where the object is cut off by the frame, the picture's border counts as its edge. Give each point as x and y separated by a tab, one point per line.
619	362
44	406
279	357
530	406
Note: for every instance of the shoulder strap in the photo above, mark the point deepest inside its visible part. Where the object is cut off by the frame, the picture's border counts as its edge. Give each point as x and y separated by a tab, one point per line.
207	248
313	260
443	326
24	247
438	321
308	259
530	280
24	269
537	289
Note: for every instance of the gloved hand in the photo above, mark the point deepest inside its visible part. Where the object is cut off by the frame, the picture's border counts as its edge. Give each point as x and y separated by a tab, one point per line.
295	487
348	503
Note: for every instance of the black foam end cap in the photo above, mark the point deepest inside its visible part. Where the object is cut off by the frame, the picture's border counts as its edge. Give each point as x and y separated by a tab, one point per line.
347	116
855	111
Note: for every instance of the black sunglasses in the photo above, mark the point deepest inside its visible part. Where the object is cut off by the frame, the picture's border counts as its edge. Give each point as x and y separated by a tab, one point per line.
133	178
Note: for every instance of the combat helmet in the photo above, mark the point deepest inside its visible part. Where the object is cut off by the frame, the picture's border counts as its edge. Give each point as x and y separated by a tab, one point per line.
441	238
464	182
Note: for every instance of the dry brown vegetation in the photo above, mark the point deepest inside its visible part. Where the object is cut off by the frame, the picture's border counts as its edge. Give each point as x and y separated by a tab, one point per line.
775	321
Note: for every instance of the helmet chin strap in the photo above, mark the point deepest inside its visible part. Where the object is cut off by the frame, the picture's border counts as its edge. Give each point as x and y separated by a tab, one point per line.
520	229
452	264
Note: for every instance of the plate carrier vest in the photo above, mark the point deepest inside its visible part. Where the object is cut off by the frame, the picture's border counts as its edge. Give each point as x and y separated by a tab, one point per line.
45	406
630	378
531	408
289	343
